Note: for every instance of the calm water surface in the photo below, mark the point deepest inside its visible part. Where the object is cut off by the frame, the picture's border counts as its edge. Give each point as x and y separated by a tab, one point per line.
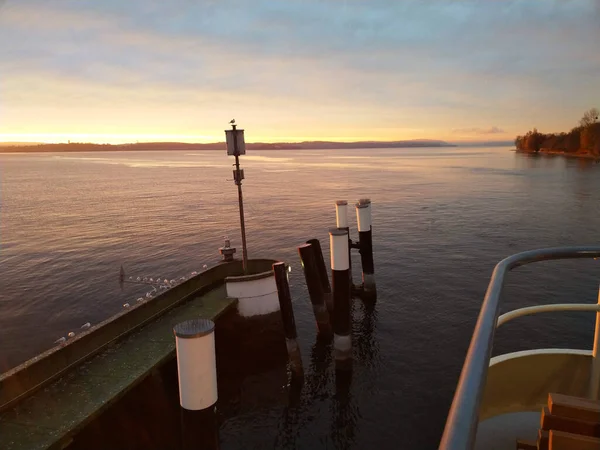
442	218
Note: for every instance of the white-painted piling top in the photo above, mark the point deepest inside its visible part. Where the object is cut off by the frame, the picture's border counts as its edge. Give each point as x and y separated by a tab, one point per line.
193	328
338	232
363	214
341	213
338	241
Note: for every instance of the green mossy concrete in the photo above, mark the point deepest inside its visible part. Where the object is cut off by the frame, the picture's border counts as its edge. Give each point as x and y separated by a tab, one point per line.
49	417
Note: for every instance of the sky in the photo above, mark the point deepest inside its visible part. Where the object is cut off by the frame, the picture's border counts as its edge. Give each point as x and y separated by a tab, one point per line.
151	70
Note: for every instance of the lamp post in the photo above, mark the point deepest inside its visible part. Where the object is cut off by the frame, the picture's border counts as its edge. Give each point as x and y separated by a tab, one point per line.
236	147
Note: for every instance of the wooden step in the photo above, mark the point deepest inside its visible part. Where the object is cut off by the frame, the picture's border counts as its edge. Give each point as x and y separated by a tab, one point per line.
526	445
560	440
543	440
574	407
558	423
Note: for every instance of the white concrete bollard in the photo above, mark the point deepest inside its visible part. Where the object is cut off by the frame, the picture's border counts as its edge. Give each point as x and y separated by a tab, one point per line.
341	213
196	364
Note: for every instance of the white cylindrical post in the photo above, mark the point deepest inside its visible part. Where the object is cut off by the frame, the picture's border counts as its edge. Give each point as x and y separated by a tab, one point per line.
340	280
363	214
341	218
365	236
595	373
338	245
196	364
341	213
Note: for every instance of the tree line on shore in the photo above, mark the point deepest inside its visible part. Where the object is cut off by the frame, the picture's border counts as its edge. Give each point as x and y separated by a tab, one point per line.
584	139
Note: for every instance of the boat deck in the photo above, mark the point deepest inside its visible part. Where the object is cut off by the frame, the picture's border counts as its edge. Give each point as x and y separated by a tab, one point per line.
502	432
53	414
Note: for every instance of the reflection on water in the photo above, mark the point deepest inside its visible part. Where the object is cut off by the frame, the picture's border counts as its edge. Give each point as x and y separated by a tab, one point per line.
442	218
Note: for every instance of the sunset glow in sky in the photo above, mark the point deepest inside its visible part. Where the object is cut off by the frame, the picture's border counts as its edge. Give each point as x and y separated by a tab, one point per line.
149	70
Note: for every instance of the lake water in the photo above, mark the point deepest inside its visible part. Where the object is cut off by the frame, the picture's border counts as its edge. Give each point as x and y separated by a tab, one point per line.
442	218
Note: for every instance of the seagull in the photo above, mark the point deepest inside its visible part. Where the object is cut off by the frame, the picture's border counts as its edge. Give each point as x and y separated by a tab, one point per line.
61	340
232	121
151	280
71	334
149	295
194	273
204	266
126	305
172	281
138	279
140	300
86	325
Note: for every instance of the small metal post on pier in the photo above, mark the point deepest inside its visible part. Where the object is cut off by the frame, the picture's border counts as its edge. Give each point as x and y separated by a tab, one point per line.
227	251
340	278
595	372
315	289
287	315
323	275
236	147
363	216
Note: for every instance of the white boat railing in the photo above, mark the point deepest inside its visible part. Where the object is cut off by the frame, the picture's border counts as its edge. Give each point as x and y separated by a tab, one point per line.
461	426
546	308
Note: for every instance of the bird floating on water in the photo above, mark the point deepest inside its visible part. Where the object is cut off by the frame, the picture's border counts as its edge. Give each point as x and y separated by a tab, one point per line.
71	334
86	325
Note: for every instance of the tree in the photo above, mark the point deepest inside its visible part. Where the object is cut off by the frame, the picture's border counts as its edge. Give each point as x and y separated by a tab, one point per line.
590	117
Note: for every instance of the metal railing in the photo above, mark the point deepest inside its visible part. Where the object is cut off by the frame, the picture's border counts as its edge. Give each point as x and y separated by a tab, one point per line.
461	424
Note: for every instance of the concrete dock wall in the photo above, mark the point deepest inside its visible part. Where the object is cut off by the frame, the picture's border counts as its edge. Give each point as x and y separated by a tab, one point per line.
23	380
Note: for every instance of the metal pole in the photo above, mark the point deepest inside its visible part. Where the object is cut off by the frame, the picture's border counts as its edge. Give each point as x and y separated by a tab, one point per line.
595	377
238	181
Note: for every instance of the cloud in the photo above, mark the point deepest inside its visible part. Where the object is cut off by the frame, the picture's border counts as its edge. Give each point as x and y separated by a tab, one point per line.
479	131
375	67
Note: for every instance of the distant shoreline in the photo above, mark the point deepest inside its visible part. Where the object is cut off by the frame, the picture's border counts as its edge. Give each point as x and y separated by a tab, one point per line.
179	146
561	153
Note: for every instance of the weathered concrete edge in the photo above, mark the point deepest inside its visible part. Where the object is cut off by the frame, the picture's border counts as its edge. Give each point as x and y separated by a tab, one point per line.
23	380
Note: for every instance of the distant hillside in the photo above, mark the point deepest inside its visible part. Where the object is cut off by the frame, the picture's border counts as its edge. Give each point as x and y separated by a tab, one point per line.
18	144
79	147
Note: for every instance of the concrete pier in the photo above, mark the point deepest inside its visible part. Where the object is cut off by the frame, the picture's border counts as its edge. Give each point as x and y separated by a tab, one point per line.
47	400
